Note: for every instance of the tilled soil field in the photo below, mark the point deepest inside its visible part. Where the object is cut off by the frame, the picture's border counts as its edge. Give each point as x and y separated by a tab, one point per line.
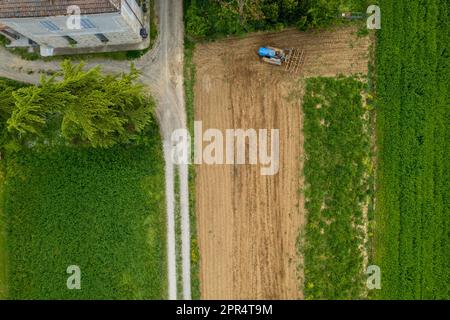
248	223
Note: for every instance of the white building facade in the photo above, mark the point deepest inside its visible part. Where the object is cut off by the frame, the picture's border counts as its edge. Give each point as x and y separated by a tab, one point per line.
56	24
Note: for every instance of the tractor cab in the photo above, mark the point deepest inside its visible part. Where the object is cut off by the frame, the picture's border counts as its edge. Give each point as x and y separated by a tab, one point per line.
272	55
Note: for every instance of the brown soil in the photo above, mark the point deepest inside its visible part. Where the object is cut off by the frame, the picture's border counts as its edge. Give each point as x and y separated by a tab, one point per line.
248	224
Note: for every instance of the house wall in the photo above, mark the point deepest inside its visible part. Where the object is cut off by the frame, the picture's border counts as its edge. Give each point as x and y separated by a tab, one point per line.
132	14
120	28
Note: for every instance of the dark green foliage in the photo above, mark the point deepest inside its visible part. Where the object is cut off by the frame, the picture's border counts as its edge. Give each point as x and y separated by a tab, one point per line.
337	152
412	213
7	87
3	253
4	41
79	107
6	101
102	210
213	18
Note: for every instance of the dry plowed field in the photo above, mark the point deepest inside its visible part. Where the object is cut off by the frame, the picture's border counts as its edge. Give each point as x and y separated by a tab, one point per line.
248	223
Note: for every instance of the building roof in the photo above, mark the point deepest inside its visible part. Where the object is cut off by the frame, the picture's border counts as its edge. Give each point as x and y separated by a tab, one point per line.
46	8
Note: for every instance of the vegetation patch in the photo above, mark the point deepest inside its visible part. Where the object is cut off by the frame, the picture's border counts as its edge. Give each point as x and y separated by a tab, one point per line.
82	185
216	18
337	188
189	83
76	107
412	221
102	210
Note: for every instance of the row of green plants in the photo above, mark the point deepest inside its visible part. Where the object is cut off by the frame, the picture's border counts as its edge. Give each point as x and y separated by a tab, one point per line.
189	84
215	18
412	220
337	188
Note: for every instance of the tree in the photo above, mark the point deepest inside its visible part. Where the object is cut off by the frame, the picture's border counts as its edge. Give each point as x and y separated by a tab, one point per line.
28	116
110	110
84	107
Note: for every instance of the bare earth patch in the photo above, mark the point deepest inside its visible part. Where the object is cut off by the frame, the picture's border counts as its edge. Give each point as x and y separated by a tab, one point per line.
248	224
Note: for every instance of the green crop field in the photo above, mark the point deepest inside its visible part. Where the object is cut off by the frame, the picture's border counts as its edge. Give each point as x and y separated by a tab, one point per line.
412	216
337	187
102	210
3	274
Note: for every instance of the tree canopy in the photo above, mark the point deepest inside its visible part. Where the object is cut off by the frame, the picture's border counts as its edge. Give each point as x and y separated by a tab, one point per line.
76	106
208	18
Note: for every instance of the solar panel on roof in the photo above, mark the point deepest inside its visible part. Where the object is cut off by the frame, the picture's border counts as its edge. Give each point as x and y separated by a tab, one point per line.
49	25
87	24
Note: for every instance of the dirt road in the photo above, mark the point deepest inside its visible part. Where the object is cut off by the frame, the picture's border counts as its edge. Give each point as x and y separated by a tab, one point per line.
162	72
248	224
